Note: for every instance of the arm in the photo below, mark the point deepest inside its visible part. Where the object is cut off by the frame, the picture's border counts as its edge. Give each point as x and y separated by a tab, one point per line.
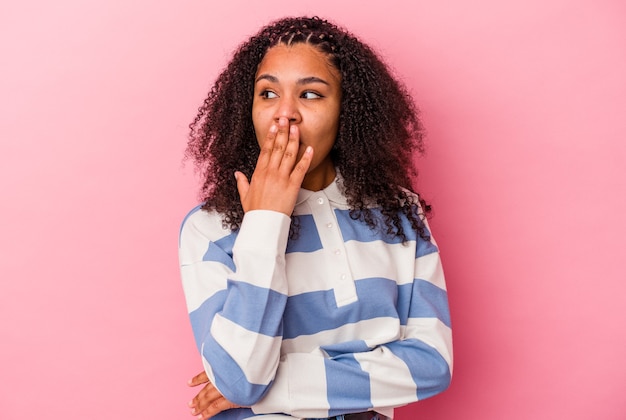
235	284
236	302
412	365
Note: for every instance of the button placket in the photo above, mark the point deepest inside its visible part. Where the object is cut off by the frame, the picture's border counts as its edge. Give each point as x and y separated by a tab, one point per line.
338	268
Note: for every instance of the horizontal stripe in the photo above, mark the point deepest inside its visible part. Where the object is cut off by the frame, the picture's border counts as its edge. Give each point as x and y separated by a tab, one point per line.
256	309
201	317
310	313
354	230
263	312
348	385
432	332
372	332
428	268
263	231
198	229
246	348
267	271
229	379
357	230
308	239
391	377
429	301
221	251
352	346
312	279
303	397
370	259
429	370
379	259
201	281
233	414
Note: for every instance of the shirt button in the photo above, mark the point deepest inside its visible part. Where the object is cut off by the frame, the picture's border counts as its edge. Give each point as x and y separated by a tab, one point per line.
343	277
320	200
329	225
337	251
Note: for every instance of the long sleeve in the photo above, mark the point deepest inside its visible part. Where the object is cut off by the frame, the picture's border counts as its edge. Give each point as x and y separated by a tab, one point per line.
236	292
340	319
379	372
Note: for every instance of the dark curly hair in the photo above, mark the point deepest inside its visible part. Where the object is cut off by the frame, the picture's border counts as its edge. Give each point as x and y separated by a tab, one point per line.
379	129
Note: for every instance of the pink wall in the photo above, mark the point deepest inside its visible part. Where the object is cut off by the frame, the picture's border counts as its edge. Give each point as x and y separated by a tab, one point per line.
524	102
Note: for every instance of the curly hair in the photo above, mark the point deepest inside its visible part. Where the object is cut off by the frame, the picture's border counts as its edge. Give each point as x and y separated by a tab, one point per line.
379	129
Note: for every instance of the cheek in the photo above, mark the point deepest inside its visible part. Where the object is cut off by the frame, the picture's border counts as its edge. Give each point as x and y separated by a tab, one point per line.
330	129
260	126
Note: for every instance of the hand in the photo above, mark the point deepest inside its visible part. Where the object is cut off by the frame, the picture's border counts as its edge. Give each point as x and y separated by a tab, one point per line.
277	177
209	401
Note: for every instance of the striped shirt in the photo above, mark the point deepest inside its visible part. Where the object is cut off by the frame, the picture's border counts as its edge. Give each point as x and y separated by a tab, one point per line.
341	319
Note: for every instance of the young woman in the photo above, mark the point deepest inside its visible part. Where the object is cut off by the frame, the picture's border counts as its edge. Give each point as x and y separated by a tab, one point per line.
313	285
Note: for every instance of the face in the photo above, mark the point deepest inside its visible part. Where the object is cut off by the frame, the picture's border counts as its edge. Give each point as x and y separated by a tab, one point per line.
299	83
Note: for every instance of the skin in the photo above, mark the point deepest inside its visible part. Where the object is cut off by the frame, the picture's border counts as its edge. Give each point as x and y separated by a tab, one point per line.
298	83
295	112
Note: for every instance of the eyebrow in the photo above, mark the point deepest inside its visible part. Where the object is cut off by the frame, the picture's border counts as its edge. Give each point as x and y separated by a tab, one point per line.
303	81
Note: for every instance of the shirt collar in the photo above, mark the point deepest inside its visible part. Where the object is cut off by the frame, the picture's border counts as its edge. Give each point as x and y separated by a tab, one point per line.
334	192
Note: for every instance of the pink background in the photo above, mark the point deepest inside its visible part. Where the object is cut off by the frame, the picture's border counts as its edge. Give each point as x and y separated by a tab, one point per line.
524	102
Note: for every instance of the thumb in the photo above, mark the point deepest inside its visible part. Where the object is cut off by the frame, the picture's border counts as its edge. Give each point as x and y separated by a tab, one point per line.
200	378
242	185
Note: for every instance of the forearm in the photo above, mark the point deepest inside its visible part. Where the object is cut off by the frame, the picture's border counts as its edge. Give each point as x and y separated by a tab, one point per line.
238	321
311	385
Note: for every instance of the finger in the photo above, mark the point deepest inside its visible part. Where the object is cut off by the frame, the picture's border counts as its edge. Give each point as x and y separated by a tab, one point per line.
199	379
243	185
291	151
209	401
301	168
207	396
217	407
280	142
267	147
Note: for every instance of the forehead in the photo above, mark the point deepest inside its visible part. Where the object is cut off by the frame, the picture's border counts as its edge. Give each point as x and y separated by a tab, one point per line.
297	59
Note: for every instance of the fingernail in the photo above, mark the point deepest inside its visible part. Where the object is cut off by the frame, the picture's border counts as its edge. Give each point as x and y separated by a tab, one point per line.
282	121
308	150
273	128
292	129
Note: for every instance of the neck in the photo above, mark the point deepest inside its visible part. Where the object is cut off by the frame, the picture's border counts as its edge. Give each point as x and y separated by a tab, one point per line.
320	177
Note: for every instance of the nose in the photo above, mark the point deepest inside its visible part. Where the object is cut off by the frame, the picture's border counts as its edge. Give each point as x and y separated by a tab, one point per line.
288	108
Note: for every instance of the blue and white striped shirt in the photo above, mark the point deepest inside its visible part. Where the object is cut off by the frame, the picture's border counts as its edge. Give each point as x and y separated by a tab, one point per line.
342	319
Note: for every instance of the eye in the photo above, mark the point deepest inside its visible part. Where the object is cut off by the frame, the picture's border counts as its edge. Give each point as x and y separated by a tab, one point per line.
310	95
268	94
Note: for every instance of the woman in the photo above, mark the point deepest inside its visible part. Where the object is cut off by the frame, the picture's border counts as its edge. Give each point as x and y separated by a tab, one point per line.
312	283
